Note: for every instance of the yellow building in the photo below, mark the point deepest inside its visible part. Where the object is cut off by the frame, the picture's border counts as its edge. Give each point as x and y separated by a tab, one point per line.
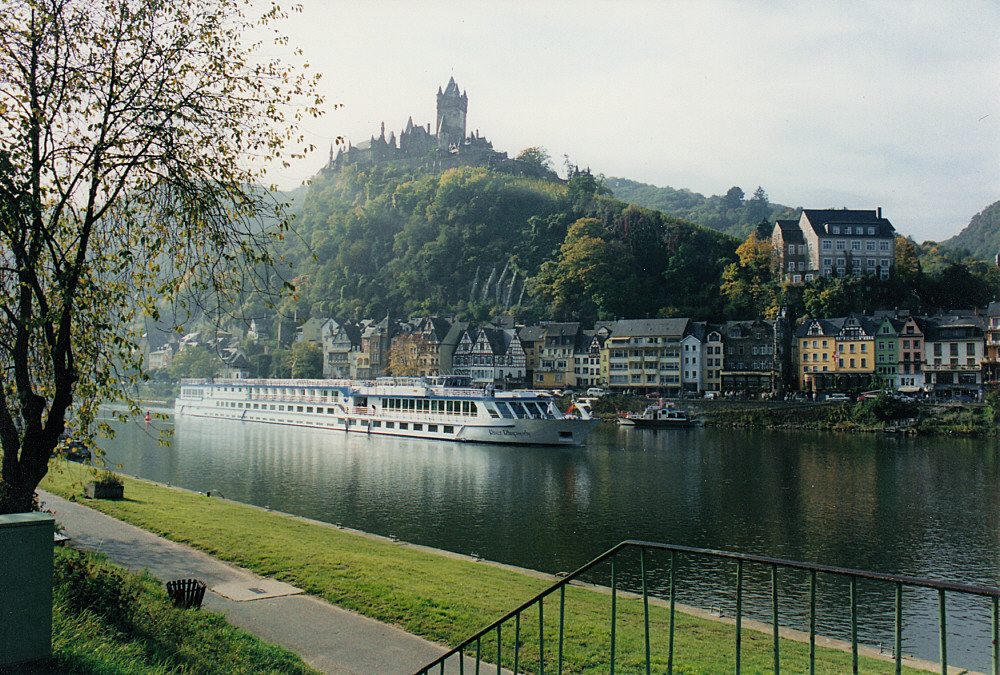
836	354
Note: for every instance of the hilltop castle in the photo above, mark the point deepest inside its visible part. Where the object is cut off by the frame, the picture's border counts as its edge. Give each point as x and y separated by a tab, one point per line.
447	147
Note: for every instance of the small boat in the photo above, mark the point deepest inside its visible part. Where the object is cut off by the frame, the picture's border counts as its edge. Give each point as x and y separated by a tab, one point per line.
659	415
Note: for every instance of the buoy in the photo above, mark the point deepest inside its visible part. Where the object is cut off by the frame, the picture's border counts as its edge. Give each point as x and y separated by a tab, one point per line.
148	417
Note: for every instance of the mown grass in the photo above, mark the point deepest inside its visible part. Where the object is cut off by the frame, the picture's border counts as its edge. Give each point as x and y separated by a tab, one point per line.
439	597
107	621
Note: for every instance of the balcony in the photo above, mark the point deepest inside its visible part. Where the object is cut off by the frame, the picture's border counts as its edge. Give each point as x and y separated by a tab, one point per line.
951	368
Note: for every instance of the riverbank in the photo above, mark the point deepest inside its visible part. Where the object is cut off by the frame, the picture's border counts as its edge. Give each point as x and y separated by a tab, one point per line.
882	414
444	597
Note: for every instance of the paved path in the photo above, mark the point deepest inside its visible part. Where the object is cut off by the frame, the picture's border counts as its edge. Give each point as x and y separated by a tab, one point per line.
328	638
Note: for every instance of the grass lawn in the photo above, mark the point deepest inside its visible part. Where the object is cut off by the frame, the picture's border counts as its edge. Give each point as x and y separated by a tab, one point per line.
107	621
439	597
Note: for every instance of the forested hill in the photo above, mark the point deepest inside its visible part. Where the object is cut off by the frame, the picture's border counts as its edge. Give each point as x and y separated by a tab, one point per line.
733	213
472	241
981	237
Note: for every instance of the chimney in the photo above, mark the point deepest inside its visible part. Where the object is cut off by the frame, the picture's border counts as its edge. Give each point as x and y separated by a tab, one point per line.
878	213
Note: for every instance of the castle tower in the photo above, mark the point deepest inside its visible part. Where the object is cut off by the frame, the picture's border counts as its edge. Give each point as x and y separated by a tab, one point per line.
451	108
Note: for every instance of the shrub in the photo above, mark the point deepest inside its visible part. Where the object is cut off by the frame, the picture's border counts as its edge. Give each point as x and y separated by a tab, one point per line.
85	584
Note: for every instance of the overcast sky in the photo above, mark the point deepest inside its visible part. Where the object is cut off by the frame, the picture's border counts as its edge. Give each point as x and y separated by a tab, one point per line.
823	104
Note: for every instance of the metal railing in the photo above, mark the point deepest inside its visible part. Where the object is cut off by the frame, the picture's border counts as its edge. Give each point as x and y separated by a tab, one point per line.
457	658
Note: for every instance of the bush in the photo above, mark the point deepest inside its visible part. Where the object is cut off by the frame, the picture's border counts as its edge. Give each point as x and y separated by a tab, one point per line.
85	584
883	408
108	478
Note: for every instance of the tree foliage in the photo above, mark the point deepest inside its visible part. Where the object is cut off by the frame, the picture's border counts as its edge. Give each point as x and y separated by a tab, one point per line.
125	130
751	283
473	241
731	213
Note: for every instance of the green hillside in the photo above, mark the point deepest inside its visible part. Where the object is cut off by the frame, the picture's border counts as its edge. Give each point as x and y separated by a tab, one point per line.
980	239
472	241
733	213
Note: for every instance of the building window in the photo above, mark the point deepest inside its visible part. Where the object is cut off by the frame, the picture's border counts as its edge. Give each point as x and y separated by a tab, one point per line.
871	230
870	245
883	246
827	244
841	244
855	245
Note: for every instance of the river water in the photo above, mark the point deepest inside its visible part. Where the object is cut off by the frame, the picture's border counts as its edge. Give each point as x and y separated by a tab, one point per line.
924	507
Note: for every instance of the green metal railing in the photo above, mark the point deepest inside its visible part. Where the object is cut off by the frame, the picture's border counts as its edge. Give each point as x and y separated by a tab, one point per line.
456	659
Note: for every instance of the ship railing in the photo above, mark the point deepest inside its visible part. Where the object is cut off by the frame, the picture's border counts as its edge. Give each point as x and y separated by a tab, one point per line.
637	574
424	415
456	392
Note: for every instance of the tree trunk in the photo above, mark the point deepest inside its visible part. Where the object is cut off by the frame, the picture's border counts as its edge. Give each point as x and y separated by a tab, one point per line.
18	495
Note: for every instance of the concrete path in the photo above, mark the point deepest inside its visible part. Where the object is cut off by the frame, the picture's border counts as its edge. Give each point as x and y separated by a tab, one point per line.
328	638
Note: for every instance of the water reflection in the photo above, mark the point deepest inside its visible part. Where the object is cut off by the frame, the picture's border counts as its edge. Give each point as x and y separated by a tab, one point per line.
920	507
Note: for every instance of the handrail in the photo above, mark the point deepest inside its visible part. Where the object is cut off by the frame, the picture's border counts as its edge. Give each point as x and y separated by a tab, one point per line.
899	581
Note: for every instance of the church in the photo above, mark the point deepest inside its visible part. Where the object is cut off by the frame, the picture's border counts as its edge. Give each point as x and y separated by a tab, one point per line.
447	147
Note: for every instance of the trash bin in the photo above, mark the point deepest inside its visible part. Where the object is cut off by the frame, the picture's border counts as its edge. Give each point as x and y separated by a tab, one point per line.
186	593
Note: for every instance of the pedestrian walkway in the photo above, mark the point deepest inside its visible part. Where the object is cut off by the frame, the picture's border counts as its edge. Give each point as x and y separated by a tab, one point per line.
328	638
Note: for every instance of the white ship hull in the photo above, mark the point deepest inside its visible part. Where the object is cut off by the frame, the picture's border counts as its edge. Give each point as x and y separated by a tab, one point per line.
408	408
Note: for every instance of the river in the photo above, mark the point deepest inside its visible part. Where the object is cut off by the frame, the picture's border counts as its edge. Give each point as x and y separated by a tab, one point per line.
924	507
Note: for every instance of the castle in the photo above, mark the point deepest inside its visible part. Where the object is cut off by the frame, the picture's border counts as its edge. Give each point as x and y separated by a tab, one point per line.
447	147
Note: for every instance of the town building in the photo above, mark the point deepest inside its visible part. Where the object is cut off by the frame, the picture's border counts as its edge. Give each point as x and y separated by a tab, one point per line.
751	356
834	243
644	355
954	349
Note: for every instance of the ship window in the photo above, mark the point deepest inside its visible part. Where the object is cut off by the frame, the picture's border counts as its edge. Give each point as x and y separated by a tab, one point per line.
309	409
505	410
281	408
377	424
404	425
298	408
390	425
492	410
330	411
418	427
432	428
272	407
541	409
448	429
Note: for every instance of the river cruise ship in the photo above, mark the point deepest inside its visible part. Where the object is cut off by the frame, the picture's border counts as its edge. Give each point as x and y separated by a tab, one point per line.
444	408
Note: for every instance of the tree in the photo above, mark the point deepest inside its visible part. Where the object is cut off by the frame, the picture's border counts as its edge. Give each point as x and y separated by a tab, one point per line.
734	198
407	356
307	361
749	284
133	136
536	156
196	361
586	280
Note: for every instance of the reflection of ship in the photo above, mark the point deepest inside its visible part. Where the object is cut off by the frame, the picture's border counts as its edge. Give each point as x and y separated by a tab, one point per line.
658	415
441	408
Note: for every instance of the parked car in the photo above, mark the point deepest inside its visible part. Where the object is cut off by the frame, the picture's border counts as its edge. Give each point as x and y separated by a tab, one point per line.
711	395
837	397
596	391
869	394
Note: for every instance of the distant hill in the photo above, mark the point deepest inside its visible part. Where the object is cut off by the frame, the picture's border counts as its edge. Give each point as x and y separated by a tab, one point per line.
734	213
474	241
981	237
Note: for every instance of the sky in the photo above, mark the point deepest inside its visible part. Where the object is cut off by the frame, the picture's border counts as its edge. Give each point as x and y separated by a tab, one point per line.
823	104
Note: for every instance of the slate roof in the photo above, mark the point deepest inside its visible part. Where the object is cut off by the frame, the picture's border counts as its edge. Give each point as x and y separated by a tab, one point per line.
821	219
791	233
645	327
